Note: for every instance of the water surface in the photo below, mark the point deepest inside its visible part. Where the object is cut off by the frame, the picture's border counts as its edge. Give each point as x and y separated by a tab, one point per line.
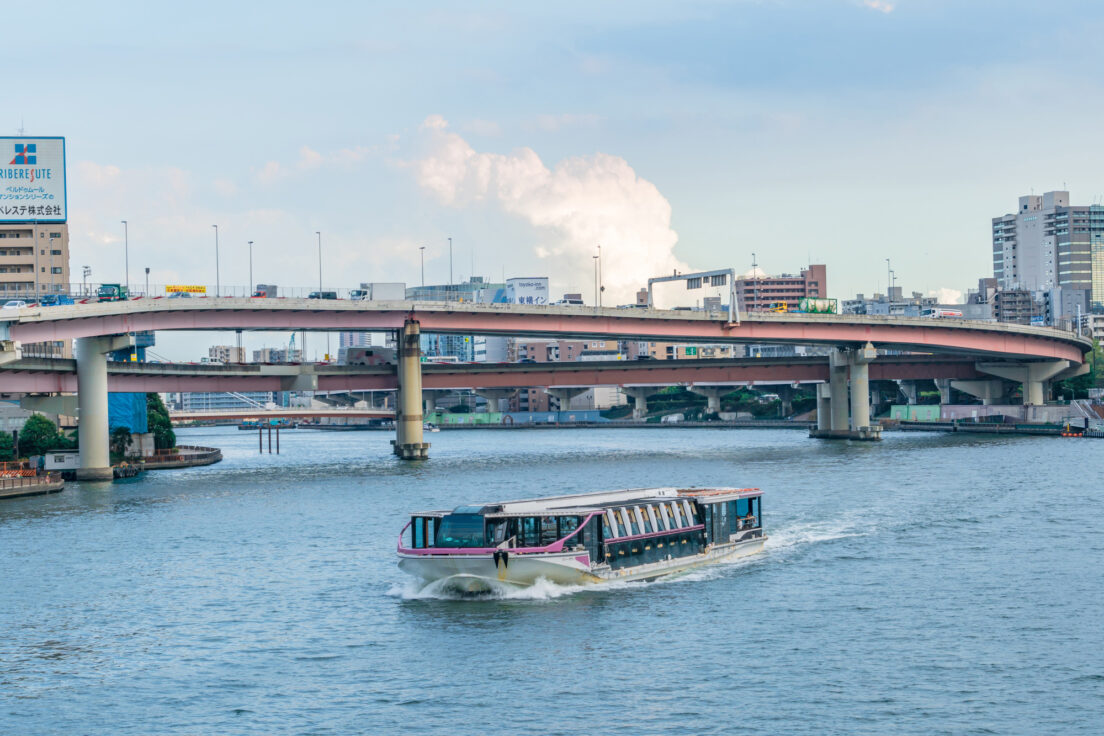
927	584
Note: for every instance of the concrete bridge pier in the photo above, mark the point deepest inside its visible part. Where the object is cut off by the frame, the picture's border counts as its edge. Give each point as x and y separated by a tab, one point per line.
639	395
564	394
785	397
494	397
432	396
990	392
847	366
1035	377
944	386
910	389
712	395
408	443
824	407
92	426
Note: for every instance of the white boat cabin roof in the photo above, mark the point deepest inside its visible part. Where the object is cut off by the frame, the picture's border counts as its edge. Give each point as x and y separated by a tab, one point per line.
587	503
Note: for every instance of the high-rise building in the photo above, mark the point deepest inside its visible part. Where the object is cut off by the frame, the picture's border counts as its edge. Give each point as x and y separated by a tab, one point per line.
1048	244
226	353
757	291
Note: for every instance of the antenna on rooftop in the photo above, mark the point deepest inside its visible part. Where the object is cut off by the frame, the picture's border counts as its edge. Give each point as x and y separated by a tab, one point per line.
21	131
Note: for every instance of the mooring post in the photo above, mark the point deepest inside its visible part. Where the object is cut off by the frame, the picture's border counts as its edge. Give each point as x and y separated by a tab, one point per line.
260	439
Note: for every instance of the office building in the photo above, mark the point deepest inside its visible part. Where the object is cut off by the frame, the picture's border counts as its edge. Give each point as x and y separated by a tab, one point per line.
278	355
1048	244
756	291
226	354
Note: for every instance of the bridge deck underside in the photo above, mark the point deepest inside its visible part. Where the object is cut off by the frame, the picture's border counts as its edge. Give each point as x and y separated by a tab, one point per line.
57	376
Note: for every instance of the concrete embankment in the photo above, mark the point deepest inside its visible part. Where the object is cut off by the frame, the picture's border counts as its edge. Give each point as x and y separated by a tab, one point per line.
744	424
185	456
982	428
31	486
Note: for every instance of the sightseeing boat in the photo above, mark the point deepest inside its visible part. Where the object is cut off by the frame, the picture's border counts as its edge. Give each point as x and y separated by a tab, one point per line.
637	534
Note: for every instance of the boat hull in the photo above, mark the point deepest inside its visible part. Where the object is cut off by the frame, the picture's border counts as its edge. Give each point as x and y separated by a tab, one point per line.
482	572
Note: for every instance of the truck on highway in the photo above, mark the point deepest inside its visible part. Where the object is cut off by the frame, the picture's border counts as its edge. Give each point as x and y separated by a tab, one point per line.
111	293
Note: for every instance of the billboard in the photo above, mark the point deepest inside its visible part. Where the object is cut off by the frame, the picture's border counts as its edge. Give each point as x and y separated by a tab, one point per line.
32	179
527	291
185	289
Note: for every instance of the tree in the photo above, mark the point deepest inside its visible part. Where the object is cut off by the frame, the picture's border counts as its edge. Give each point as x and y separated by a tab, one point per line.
120	440
39	436
160	425
7	447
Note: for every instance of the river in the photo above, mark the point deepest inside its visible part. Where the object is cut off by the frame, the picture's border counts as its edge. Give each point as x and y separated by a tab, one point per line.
926	584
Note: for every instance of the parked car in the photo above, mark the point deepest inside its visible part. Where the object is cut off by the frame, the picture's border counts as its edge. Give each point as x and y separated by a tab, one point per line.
322	295
56	300
15	304
180	295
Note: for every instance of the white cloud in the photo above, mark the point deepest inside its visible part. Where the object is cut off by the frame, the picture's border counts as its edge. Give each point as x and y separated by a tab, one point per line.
945	295
578	204
880	5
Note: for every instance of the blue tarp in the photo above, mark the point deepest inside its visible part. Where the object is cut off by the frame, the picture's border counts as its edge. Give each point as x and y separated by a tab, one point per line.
127	410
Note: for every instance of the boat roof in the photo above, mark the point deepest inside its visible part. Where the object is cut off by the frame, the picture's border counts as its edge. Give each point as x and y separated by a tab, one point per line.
587	503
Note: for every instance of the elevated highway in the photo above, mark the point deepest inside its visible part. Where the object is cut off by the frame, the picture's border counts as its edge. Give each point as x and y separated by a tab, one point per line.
1031	356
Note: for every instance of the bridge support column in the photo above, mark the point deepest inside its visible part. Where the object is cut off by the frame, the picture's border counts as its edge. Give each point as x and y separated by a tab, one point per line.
408	443
639	395
785	397
824	407
494	397
910	389
845	364
431	397
564	394
712	395
1034	377
92	427
944	386
990	392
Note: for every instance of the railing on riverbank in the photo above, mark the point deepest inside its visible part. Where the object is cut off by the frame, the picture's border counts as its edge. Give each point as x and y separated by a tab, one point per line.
32	485
182	456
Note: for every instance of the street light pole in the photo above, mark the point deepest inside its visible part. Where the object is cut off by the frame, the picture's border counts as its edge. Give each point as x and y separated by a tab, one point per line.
250	287
86	271
126	254
889	278
450	261
422	249
601	286
217	284
319	234
755	275
595	281
147	283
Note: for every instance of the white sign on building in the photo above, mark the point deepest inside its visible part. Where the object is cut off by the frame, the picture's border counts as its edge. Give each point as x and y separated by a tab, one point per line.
527	290
32	179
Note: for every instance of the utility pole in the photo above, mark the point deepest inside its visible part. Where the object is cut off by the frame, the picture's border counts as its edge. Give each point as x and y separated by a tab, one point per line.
250	287
147	283
86	271
319	234
889	278
601	286
450	261
755	275
422	249
126	253
595	281
216	261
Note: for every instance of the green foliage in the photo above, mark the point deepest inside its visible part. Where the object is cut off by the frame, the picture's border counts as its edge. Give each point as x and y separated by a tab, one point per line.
120	438
7	447
157	416
39	436
1078	386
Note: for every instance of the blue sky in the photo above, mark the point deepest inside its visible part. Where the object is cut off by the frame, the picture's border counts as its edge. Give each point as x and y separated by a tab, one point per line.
677	134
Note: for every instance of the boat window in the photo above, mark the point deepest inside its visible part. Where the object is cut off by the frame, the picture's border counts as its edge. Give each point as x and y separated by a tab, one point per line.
419	533
607	525
630	519
645	520
460	530
650	510
548	533
621	531
663	516
688	513
431	530
530	532
568	524
496	532
676	515
742	507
